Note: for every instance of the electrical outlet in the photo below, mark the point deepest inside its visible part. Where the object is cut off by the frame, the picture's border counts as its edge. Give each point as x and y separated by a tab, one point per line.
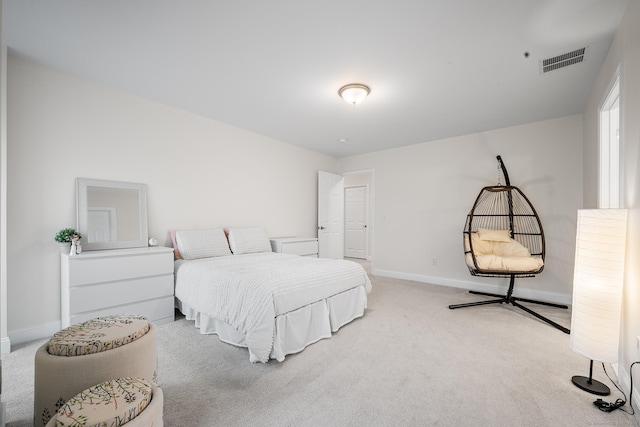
434	261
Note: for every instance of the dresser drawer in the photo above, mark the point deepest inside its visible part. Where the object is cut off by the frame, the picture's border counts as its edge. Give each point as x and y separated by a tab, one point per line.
300	248
305	246
98	270
92	297
158	311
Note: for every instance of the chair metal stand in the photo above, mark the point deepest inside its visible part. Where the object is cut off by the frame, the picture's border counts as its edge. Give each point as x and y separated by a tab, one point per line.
510	299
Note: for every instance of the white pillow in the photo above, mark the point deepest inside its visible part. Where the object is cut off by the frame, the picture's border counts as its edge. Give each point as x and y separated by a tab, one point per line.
494	235
194	244
480	247
510	249
248	240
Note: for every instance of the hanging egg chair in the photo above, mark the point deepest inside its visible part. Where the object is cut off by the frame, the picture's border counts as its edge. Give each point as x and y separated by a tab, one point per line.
503	237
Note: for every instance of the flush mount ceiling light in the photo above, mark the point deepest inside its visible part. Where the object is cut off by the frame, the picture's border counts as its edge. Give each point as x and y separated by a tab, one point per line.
354	93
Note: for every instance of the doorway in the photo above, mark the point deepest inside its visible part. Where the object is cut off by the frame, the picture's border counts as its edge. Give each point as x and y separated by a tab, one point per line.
332	212
102	225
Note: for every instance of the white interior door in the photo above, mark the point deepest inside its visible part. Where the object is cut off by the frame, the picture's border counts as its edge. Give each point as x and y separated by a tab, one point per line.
330	215
356	232
101	224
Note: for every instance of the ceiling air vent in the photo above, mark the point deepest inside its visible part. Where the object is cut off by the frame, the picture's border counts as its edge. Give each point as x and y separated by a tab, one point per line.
563	60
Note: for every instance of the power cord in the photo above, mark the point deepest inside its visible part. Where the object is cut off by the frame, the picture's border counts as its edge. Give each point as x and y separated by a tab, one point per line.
619	403
610	407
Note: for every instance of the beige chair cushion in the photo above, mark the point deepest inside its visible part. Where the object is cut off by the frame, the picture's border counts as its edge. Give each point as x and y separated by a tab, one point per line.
99	334
111	403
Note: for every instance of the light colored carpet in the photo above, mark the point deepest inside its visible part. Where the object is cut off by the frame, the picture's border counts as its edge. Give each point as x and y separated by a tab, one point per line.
409	361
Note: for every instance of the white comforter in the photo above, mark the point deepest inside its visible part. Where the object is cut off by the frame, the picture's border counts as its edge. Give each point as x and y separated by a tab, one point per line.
249	291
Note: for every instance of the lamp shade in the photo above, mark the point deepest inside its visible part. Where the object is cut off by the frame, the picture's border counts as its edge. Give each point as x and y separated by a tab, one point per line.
597	283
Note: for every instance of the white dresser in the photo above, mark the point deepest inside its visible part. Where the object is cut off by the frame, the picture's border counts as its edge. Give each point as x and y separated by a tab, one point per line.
305	246
117	281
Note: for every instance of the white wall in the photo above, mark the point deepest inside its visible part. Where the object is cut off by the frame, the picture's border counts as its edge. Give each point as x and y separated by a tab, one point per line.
423	193
199	173
625	54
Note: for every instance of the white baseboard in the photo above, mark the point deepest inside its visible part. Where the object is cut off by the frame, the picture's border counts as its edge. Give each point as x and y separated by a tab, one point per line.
624	379
20	336
5	345
476	286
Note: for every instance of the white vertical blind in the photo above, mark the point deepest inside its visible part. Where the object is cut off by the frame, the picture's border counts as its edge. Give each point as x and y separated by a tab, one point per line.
597	283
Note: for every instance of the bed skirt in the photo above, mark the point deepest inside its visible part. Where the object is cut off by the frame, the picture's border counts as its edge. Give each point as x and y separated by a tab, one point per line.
293	330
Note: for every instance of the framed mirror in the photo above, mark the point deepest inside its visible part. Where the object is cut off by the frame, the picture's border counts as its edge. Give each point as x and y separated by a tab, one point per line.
111	214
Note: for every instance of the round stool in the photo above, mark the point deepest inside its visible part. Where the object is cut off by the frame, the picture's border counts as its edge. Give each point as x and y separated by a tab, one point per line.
89	353
133	401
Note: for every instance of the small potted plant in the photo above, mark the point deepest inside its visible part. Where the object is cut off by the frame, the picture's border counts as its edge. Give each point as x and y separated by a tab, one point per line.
64	238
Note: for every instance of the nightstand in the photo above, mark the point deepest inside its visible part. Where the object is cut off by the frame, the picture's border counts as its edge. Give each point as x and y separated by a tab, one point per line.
304	246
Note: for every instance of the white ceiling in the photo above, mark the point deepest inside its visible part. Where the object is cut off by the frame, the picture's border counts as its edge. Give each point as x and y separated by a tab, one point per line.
436	68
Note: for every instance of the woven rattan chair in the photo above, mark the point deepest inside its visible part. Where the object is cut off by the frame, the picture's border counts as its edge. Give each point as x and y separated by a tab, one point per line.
505	207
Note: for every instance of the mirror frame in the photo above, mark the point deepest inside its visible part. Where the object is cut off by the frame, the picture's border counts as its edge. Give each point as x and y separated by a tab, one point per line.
82	214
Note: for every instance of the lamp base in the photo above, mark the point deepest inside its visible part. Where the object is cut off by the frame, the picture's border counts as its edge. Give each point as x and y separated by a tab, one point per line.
591	385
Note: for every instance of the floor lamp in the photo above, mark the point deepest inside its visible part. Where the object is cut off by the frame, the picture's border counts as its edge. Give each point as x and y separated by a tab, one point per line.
597	290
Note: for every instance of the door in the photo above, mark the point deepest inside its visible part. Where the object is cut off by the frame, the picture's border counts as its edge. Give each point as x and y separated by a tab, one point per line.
101	225
330	215
356	234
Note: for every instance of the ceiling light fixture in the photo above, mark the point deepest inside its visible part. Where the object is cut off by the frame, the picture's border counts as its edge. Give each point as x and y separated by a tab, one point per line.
354	93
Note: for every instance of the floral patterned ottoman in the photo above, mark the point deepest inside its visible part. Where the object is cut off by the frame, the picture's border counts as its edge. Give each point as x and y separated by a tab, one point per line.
90	353
130	400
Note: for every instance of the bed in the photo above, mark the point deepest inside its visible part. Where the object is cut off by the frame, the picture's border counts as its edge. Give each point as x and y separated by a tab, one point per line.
273	304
